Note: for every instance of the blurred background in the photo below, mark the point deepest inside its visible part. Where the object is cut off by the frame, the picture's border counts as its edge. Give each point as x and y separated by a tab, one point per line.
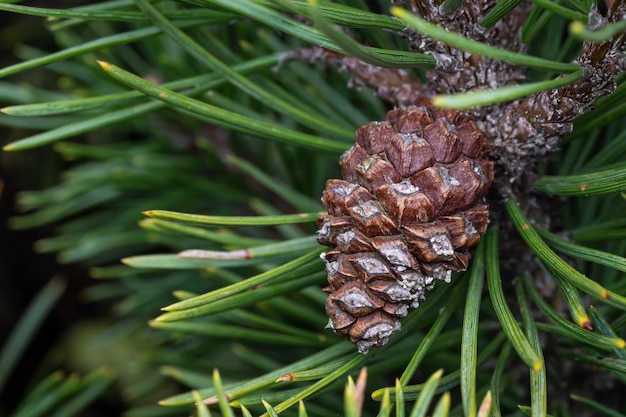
23	271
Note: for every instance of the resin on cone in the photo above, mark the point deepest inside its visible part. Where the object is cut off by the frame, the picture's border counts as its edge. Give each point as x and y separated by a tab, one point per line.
410	205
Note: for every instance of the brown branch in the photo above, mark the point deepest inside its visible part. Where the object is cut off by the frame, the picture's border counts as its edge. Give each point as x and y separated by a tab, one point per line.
523	130
396	86
520	131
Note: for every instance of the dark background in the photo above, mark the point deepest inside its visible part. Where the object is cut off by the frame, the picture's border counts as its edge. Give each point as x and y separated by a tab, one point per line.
23	272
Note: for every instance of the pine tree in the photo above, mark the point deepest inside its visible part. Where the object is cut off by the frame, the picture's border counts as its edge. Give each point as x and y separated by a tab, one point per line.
223	122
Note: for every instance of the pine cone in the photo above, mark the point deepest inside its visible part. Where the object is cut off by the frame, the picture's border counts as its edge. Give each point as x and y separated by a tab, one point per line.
410	205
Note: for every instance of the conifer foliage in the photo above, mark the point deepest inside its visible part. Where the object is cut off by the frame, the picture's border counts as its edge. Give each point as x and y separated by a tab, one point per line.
470	158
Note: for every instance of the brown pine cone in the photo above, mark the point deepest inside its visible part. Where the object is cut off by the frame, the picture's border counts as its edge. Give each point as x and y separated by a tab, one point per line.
410	205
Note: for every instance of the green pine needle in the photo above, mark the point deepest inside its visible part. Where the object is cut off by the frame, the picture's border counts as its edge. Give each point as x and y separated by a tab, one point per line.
469	341
562	10
570	330
25	328
557	264
509	325
228	119
426	396
498	95
233	220
263	278
595	183
498	12
598	35
90	46
598	407
236	79
538	382
374	56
